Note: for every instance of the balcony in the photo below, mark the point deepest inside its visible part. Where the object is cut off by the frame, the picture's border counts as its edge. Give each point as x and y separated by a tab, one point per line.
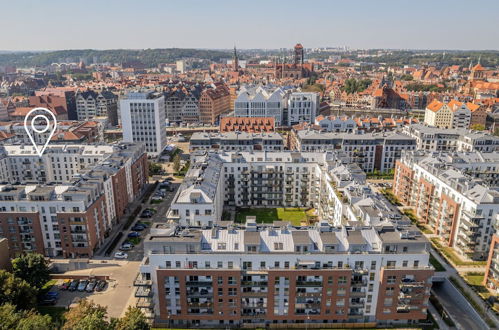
357	304
199	283
254	294
309	283
358	294
143	292
141	281
145	303
254	283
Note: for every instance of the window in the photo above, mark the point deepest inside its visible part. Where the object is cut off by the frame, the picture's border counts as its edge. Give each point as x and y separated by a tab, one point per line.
342	280
278	246
388	302
391	279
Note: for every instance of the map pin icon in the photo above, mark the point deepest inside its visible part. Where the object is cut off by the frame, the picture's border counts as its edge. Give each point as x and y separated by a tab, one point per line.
41	128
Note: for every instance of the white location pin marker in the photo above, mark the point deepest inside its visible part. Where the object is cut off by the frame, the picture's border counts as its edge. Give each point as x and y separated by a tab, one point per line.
41	128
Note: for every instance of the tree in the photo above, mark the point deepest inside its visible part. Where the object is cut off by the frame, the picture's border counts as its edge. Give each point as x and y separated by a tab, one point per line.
155	168
16	291
407	77
176	163
86	316
23	320
33	268
134	319
477	127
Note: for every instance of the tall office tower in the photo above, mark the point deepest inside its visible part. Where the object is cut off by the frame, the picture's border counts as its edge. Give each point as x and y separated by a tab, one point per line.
143	120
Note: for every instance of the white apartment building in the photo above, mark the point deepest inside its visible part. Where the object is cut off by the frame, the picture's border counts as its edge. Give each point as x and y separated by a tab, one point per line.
451	139
447	115
236	141
58	164
143	120
336	124
261	101
371	151
455	194
302	107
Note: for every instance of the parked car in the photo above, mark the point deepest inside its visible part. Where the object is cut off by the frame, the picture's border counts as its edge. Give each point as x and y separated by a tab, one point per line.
171	188
48	301
91	286
65	285
146	214
82	285
126	246
52	294
74	285
101	285
133	234
121	255
157	198
138	227
169	178
141	224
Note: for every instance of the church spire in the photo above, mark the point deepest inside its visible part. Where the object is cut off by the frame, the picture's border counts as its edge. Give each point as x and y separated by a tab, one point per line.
235	61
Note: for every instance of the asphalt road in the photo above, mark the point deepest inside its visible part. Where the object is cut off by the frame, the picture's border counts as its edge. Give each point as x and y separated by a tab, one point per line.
458	312
137	253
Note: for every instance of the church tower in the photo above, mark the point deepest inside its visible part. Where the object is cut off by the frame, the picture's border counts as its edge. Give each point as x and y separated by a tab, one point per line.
235	61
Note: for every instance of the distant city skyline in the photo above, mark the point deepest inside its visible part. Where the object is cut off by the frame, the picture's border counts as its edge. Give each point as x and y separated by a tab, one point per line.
358	24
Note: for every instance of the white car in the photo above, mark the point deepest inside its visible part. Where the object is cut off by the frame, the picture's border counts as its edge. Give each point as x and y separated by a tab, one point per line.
121	255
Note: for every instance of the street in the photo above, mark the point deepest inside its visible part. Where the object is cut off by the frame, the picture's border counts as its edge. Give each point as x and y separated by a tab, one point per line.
137	253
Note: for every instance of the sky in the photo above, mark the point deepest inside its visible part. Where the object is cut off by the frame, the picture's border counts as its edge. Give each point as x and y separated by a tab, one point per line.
139	24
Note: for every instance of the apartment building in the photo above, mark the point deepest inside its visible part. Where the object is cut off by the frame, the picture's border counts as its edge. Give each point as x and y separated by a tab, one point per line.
143	120
245	179
182	106
90	104
372	151
273	274
236	141
448	115
214	102
6	108
449	139
63	204
454	194
302	107
491	278
262	101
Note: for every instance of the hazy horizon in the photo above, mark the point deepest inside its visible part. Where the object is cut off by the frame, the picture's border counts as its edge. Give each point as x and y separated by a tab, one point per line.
357	24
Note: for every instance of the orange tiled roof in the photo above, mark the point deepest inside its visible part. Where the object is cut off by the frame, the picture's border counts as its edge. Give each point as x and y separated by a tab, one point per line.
435	106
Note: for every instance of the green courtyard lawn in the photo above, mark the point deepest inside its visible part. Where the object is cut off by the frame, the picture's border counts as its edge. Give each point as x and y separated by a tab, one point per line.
294	215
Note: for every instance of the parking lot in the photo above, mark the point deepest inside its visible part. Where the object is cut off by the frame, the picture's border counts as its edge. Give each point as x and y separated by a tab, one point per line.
117	294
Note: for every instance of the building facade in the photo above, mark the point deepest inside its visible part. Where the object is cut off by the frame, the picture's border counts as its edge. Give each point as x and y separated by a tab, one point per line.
65	203
143	120
214	102
276	274
454	194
